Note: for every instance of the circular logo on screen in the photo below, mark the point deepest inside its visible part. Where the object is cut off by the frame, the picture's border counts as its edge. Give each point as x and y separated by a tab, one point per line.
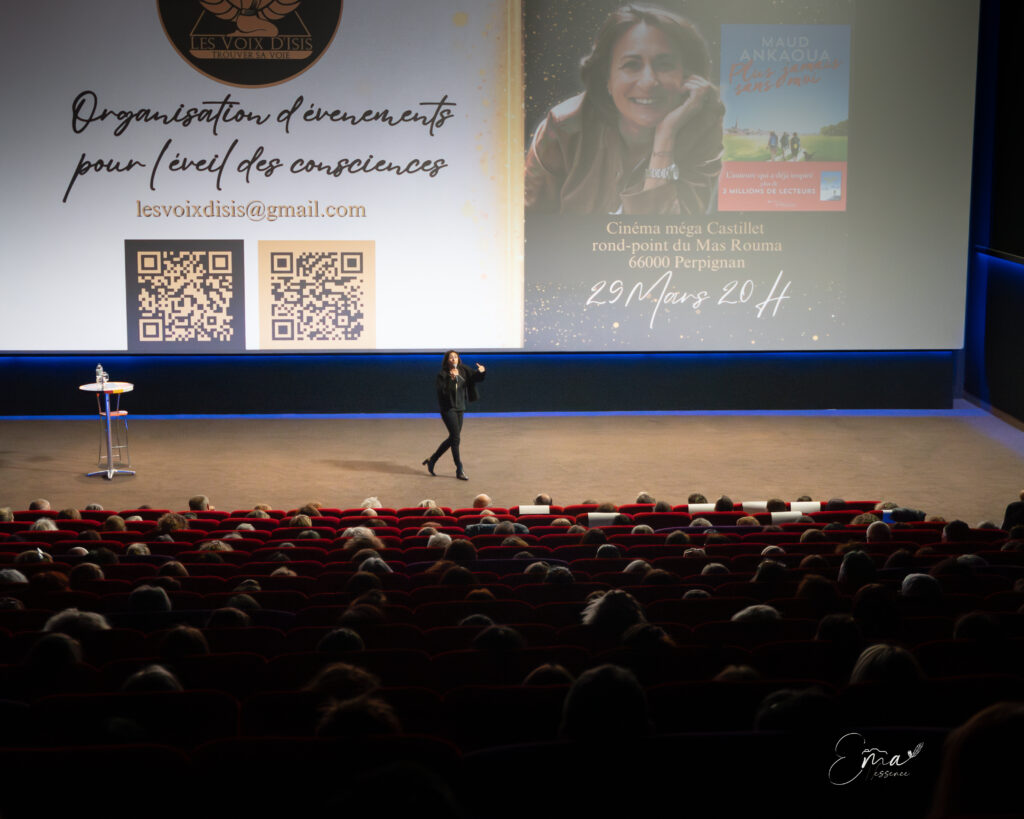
250	43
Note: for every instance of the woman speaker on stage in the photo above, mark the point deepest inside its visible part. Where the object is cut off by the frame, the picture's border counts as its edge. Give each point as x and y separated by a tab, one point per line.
456	386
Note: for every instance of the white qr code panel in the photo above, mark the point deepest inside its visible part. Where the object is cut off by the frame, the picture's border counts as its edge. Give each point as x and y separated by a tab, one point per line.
317	294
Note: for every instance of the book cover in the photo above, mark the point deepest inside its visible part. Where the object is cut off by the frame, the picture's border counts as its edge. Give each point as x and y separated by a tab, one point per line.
786	90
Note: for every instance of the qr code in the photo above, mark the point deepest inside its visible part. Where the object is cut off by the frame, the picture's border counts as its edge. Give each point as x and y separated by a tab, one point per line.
317	294
184	295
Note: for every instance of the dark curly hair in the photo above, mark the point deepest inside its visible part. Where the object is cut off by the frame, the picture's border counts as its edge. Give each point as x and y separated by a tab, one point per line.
595	68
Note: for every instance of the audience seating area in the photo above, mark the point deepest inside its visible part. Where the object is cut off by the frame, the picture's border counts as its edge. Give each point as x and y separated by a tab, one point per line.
468	737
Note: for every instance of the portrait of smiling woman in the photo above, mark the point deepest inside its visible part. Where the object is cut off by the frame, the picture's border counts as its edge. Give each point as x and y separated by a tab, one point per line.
645	136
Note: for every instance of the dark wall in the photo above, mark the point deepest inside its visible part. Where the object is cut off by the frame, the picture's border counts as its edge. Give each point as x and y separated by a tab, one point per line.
995	300
173	385
994	372
1001	59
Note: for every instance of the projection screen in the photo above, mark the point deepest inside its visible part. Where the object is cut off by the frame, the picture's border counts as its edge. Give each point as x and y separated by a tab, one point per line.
211	176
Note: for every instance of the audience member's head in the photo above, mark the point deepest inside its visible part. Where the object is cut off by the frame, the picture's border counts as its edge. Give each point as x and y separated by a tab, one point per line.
458	576
638	566
499	638
921	586
148	598
476	620
677	538
43	525
342	681
375	565
770	571
647	637
884	663
54	654
228	617
856	569
594	537
170	522
758	613
876	609
183	641
173	568
45	582
613	612
12	576
248	585
341	639
899	559
152	678
979	627
821	592
36	555
76	623
358	717
878	532
549	674
981	762
737	673
559	575
215	546
805	710
605	703
841	630
460	550
956	531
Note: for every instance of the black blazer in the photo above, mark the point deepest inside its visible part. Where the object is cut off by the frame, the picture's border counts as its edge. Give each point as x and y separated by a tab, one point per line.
446	387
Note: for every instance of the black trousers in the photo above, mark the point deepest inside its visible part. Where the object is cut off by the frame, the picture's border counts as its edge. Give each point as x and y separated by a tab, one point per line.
453	423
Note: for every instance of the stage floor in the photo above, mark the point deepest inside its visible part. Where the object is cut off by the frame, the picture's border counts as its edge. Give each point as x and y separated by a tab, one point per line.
960	463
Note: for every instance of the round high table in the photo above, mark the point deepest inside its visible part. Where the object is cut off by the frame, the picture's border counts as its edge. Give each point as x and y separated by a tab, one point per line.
108	388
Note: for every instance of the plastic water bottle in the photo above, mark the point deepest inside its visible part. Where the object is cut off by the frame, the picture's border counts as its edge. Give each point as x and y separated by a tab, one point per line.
99	373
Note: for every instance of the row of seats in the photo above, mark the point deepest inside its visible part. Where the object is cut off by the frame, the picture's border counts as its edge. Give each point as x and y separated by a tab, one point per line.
242	673
469	724
473	715
571	510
